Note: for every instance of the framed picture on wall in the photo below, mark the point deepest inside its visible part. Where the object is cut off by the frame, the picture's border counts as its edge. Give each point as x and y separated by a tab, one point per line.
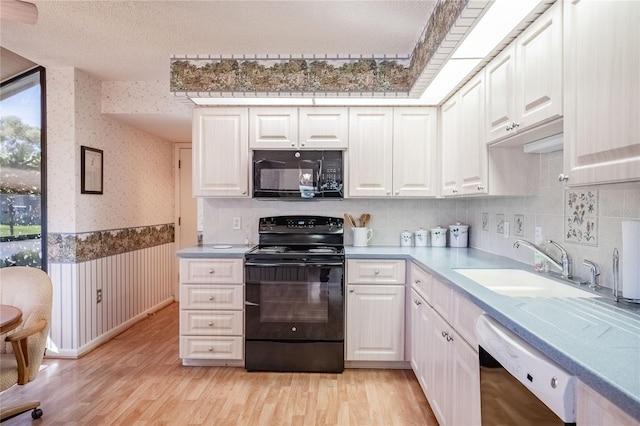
91	175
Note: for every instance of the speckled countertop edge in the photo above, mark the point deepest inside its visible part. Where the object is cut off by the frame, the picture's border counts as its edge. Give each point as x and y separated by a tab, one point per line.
614	372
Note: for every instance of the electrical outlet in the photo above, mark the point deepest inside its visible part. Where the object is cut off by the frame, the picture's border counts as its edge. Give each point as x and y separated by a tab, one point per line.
538	237
99	295
507	229
237	223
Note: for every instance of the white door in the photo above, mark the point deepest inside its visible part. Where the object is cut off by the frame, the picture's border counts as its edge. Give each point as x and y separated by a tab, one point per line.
186	222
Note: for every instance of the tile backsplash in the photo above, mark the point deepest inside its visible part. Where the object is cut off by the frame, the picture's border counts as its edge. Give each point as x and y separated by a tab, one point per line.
486	217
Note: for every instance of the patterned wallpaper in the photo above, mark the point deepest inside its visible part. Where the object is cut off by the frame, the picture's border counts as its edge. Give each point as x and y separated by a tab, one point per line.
138	166
316	74
76	248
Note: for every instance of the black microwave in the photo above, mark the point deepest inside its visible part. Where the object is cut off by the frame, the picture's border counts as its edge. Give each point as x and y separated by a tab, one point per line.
304	175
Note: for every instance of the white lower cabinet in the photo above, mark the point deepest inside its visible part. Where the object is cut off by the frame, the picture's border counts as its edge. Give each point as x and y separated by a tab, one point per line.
445	364
375	312
594	409
211	311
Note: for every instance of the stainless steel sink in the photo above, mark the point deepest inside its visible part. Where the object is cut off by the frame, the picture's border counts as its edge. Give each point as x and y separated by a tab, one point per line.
519	283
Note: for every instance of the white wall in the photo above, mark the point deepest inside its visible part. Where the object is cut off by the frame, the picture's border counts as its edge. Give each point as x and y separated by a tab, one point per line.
391	217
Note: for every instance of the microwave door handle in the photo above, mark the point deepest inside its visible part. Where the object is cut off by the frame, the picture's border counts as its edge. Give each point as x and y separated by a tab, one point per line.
264	160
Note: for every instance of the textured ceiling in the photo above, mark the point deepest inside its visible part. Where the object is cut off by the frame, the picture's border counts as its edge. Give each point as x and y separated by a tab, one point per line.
127	41
133	40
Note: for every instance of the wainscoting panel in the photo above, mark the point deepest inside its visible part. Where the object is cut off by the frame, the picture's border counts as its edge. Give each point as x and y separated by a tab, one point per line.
133	284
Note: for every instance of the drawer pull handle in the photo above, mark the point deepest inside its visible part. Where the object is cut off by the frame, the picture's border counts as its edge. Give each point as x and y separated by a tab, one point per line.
449	338
417	302
211	271
445	334
418	281
210	349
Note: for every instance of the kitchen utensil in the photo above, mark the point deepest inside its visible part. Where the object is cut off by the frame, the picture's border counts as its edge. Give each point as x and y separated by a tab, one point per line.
458	235
421	237
367	218
439	237
349	219
406	239
362	236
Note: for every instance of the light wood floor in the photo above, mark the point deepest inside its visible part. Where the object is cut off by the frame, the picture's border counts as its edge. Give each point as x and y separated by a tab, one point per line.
137	378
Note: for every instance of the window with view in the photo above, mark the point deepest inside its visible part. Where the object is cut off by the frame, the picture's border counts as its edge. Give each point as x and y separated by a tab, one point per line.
22	171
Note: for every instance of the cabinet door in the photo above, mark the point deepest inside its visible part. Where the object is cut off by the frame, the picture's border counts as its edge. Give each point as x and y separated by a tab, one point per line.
420	340
375	271
472	148
595	410
539	70
370	152
375	323
439	370
414	152
465	371
602	91
275	127
324	128
449	141
500	102
220	152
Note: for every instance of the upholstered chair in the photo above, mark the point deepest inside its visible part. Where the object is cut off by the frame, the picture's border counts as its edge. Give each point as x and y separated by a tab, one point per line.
23	348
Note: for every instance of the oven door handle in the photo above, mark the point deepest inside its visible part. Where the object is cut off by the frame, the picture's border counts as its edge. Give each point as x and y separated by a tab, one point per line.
247	303
296	264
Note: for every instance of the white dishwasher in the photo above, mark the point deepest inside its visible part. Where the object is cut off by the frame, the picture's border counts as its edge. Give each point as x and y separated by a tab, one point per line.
518	384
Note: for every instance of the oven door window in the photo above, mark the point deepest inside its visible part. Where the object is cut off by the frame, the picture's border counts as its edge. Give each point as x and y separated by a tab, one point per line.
294	302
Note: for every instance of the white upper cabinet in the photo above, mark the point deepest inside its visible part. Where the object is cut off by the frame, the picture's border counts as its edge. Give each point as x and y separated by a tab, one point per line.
220	152
392	152
370	152
273	127
464	152
524	82
298	128
415	139
602	92
324	128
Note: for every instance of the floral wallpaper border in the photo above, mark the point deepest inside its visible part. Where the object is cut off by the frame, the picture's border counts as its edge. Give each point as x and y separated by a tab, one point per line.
82	247
312	75
581	217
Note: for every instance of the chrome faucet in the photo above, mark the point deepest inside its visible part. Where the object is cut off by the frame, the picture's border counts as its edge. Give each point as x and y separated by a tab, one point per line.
594	270
564	264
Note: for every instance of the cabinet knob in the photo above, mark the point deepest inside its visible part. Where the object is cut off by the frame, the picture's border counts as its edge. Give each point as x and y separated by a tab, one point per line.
244	192
388	192
562	177
212	271
417	281
455	191
210	324
397	192
293	144
480	188
449	338
351	290
301	143
211	298
376	272
516	125
417	302
445	334
210	349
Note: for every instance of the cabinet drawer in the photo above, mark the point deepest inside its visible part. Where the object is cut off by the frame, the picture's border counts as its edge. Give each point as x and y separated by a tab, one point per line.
194	296
466	314
201	347
365	271
441	296
227	271
209	323
421	281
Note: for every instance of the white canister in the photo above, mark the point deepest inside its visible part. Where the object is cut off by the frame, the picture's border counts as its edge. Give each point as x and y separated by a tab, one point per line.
420	237
458	235
405	239
439	237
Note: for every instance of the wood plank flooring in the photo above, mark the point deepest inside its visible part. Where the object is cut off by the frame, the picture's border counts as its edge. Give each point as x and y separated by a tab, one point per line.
137	379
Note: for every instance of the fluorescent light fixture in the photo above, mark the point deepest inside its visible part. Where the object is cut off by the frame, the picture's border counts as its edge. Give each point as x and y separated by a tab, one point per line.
368	101
447	79
251	101
544	146
501	18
